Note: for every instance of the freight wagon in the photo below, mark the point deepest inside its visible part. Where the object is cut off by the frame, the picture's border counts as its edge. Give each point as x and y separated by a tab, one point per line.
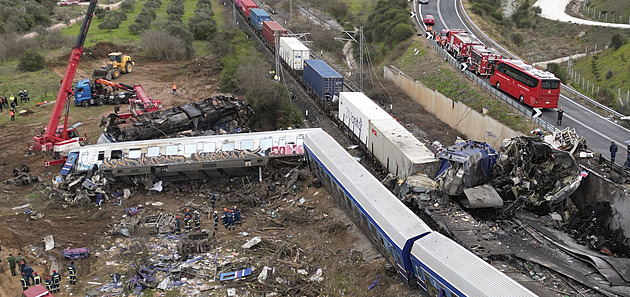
247	6
322	80
257	16
269	29
293	53
400	152
356	111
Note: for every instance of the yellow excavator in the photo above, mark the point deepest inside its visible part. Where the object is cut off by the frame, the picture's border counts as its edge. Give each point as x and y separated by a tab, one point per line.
117	64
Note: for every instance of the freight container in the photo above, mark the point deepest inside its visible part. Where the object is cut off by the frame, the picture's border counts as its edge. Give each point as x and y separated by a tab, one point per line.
400	151
356	111
322	79
257	16
246	6
269	28
293	52
238	3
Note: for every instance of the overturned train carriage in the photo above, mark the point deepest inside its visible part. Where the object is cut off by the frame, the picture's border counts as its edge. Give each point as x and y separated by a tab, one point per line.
188	157
214	113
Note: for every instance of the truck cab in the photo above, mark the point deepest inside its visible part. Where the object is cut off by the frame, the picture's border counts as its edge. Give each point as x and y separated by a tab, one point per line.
83	93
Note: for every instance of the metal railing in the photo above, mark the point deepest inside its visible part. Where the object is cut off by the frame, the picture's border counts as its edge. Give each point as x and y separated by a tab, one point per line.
487	39
525	111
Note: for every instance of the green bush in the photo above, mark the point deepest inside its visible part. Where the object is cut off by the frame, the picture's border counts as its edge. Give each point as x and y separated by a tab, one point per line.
202	26
31	61
100	12
609	74
127	5
617	40
517	38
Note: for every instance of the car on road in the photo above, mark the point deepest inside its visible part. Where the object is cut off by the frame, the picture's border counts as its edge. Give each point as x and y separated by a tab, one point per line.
424	1
429	20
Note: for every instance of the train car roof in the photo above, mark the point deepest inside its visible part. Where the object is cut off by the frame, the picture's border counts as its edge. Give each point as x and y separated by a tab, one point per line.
294	43
322	68
467	274
409	145
187	140
395	219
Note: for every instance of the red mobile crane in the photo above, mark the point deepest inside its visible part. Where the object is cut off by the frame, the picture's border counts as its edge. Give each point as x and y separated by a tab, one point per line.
59	138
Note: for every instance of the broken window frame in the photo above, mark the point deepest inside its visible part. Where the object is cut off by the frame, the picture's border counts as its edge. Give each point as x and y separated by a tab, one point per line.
101	155
116	154
171	150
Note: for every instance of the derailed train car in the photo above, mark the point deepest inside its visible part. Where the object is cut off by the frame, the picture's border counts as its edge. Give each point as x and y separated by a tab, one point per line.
215	113
436	264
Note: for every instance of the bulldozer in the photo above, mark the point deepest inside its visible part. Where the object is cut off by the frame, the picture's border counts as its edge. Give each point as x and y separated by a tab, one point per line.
117	64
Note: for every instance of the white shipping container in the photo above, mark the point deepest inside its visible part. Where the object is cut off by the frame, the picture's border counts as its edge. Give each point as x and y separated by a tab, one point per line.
357	110
400	151
293	52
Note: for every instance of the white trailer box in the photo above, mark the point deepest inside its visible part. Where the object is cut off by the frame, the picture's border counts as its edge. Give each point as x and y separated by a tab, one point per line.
357	110
293	52
400	151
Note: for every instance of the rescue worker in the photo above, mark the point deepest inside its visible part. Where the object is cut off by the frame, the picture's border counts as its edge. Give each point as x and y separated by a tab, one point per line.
237	216
230	220
12	262
187	213
216	220
224	217
197	221
428	33
1	103
12	114
213	199
613	152
327	96
21	261
437	39
175	89
72	271
560	114
443	41
56	278
28	272
26	96
23	282
36	279
48	284
21	95
177	225
464	66
188	223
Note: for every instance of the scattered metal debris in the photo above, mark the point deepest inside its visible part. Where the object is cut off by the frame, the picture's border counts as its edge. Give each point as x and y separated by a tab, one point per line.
22	177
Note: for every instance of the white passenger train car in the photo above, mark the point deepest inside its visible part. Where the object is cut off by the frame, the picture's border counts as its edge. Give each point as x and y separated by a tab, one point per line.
194	155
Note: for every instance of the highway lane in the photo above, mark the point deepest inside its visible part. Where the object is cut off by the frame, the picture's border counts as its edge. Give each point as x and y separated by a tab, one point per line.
597	130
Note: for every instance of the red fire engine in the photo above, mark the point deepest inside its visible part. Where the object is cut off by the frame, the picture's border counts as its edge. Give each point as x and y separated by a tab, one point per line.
460	44
481	59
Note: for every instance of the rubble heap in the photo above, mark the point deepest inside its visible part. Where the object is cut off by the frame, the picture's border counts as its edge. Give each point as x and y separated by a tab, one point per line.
219	113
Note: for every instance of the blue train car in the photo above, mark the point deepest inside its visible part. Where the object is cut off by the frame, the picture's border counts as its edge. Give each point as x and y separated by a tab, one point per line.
322	79
389	224
257	16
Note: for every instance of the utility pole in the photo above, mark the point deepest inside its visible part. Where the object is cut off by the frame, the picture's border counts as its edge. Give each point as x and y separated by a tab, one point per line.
360	42
290	13
276	38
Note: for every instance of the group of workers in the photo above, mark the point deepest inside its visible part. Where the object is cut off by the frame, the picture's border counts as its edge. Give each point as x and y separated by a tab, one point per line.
432	34
11	102
29	277
230	218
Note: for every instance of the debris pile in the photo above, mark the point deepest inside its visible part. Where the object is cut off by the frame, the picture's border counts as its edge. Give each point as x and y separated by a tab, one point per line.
531	171
568	140
215	115
22	177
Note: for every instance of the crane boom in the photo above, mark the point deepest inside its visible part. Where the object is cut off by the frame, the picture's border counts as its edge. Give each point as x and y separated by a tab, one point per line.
51	136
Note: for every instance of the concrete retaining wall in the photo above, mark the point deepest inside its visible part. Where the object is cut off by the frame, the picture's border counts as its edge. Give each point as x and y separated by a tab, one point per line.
473	124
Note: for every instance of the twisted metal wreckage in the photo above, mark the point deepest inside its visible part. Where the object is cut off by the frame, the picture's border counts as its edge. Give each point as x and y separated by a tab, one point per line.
526	170
213	115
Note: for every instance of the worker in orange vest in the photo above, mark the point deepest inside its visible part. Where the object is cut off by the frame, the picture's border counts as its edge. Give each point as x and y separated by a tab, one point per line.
12	114
443	41
175	89
437	39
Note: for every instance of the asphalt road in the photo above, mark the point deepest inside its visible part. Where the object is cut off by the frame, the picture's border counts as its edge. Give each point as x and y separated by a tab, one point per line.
597	130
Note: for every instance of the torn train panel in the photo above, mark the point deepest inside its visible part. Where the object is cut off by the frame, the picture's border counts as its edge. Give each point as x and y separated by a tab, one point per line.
215	113
465	165
531	170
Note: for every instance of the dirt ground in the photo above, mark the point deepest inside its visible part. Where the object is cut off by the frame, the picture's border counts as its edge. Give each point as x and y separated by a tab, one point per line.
323	234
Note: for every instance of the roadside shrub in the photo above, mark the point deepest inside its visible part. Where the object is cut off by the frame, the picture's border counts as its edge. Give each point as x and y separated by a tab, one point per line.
558	71
175	8
31	61
617	40
110	22
517	38
609	74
